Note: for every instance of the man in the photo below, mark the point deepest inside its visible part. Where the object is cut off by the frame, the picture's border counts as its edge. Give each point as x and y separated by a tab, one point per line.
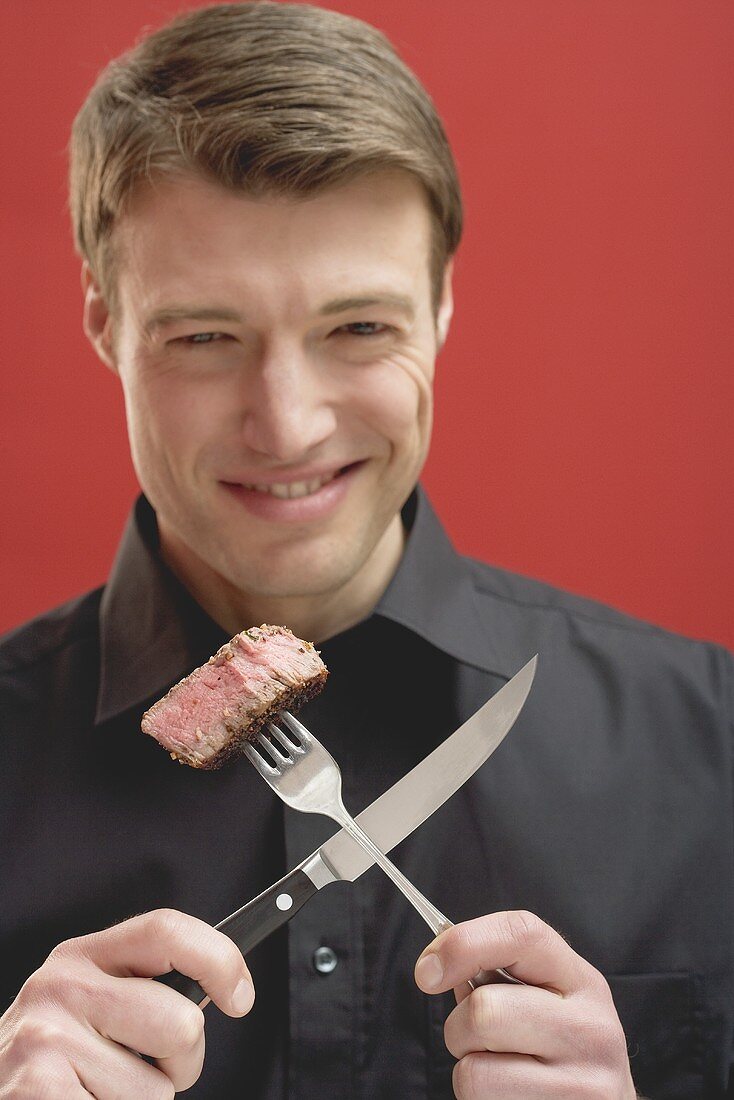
267	209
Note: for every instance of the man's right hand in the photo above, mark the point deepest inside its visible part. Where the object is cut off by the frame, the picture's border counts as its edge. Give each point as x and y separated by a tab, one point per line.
77	1023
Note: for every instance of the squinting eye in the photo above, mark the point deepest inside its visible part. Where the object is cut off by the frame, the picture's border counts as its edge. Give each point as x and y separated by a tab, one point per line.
203	338
197	339
364	328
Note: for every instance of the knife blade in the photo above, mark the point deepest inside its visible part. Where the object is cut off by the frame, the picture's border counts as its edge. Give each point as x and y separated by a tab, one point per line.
387	821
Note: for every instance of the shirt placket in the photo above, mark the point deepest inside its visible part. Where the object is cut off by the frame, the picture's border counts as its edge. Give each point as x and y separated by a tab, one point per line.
325	958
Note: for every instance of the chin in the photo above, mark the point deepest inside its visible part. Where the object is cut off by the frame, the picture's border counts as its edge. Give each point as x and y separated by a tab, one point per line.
296	571
290	584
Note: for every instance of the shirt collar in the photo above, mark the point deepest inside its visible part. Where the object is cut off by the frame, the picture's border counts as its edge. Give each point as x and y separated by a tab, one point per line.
433	594
152	632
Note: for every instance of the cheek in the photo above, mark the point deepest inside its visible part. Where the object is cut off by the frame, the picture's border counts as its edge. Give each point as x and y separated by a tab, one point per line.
165	423
179	402
398	400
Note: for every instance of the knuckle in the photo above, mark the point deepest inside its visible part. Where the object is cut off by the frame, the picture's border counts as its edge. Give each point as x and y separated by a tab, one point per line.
460	936
54	983
608	1041
598	986
162	1090
525	928
69	949
467	1077
61	950
452	1034
186	1028
459	943
34	988
164	924
599	1040
38	1034
88	995
484	1011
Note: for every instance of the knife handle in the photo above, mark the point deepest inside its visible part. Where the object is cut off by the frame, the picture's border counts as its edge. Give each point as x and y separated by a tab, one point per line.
252	923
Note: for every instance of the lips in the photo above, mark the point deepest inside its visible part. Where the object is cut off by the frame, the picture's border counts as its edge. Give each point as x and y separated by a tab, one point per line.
312	497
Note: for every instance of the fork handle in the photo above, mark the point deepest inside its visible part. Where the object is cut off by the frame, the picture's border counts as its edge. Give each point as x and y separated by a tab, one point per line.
251	924
486	977
433	917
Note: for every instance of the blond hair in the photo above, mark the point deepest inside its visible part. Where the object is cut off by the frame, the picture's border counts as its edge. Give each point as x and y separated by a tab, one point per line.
263	98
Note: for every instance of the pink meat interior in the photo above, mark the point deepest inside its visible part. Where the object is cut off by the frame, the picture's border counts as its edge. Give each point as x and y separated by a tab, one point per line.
245	678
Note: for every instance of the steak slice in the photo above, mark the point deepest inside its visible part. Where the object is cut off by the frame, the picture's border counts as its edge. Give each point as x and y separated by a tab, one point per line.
206	717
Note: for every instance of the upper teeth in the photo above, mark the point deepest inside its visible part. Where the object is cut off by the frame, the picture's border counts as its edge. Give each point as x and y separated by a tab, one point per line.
291	489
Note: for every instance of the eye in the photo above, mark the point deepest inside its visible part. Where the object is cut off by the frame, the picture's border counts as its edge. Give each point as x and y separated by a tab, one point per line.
363	328
202	338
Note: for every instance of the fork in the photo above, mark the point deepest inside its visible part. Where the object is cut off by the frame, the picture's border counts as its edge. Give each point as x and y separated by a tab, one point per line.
307	778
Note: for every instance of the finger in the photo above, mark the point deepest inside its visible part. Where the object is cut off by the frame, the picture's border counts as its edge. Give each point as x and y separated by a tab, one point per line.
509	1019
164	940
517	941
144	1015
45	1078
509	1077
164	1025
109	1072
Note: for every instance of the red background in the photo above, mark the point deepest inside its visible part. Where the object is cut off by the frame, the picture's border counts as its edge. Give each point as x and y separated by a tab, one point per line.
584	426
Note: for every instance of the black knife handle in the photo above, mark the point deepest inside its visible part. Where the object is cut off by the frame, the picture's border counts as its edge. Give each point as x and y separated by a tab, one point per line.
252	923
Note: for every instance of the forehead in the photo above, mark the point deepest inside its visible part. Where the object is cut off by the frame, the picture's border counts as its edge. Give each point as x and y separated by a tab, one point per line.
187	232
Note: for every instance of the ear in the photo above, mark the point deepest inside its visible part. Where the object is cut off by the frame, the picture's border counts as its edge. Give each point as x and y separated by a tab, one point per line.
97	319
445	305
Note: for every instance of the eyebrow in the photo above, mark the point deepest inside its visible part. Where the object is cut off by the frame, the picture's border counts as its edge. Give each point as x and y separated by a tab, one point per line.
170	314
396	301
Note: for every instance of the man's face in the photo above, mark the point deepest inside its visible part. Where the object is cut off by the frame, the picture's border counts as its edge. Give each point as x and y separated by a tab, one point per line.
277	362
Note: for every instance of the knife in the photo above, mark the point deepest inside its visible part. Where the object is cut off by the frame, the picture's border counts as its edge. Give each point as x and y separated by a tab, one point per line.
387	821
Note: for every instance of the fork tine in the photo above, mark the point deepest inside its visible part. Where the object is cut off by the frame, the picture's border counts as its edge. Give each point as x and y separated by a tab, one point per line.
289	743
297	728
257	759
280	759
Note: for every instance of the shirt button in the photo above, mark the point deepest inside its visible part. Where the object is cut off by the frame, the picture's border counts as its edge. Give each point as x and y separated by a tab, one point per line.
324	960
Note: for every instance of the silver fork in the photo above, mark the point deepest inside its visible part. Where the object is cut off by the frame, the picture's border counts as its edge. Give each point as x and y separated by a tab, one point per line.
307	778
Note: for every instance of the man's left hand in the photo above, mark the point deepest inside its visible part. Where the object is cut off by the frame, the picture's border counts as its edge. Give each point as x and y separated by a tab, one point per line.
557	1036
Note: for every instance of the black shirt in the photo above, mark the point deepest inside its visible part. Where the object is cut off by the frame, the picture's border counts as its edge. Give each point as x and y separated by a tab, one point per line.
607	811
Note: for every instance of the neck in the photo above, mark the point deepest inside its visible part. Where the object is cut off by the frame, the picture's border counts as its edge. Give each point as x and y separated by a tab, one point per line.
315	617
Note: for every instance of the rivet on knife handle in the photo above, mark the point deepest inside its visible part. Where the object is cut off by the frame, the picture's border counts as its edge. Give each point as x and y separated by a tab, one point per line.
251	924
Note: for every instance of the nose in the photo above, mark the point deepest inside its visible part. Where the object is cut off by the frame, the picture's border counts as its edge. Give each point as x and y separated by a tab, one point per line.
288	410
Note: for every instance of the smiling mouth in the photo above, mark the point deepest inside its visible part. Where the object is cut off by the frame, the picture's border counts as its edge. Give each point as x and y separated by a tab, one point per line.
291	490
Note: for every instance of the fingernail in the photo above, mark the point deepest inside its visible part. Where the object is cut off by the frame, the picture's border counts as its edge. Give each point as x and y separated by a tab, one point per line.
429	971
243	997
